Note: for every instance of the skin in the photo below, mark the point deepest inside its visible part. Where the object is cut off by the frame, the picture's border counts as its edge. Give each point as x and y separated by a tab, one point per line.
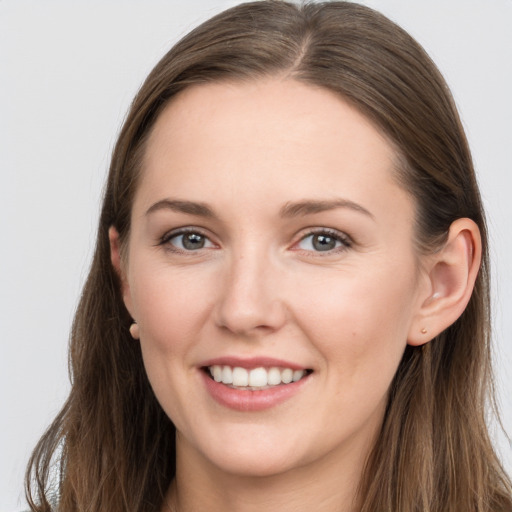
258	287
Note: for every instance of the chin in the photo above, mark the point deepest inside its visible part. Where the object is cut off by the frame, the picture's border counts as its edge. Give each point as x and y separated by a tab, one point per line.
256	464
258	455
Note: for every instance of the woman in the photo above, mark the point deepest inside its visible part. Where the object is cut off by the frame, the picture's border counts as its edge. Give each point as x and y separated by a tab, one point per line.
288	302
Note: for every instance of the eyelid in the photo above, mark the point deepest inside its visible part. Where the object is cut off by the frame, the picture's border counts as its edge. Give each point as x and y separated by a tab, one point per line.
346	240
169	235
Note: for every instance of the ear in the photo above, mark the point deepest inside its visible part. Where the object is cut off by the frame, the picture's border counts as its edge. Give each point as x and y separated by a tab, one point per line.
451	274
119	266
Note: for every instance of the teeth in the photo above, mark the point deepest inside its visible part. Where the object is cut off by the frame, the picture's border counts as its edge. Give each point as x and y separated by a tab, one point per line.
227	375
217	373
240	376
257	378
274	377
287	376
297	375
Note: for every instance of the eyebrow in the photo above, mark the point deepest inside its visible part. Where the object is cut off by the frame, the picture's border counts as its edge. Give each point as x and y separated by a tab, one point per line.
292	209
190	207
308	207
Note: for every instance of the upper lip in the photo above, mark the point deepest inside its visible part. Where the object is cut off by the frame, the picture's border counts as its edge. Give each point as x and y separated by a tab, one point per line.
252	362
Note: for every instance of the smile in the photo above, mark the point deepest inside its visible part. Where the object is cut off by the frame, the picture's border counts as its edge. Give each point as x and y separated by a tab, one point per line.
253	384
254	379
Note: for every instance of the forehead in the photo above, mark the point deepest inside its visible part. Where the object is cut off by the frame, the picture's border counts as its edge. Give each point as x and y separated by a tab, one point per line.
280	138
285	108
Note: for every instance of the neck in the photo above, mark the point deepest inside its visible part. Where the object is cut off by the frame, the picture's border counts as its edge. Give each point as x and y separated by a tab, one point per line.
327	485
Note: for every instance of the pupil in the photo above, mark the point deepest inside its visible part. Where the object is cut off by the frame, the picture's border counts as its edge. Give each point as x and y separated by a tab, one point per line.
323	242
193	241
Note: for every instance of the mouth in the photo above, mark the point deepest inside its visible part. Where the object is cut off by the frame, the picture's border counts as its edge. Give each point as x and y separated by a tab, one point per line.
254	379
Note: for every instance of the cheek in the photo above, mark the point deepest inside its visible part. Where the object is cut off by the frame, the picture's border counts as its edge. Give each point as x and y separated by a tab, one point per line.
173	307
361	323
170	306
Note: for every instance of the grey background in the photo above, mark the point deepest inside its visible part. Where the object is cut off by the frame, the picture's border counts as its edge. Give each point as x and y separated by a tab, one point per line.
68	70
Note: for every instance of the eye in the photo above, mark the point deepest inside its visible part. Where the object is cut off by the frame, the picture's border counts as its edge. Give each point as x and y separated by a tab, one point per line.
187	241
323	241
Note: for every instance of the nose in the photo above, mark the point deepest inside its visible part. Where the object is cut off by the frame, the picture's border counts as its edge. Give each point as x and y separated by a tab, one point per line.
251	302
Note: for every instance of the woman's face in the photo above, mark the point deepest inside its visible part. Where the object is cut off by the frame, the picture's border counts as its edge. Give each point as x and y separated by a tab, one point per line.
269	243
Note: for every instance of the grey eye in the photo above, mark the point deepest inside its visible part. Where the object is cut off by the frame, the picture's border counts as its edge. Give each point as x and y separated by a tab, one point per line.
193	241
323	242
320	242
190	241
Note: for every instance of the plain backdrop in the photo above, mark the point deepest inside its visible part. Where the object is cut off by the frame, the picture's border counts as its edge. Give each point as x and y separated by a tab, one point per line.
68	70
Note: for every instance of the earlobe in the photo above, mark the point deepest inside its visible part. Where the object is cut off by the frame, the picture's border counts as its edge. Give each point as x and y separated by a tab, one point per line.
117	263
452	274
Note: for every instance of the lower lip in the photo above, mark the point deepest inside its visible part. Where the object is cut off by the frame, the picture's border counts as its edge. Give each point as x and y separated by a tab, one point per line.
247	400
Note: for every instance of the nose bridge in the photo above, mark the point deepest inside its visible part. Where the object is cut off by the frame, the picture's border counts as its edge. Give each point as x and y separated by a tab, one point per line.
251	296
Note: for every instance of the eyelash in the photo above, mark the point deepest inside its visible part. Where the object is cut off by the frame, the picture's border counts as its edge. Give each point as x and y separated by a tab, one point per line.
345	242
166	239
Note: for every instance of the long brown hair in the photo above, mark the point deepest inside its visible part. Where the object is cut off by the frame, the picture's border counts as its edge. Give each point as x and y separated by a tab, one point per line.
112	440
